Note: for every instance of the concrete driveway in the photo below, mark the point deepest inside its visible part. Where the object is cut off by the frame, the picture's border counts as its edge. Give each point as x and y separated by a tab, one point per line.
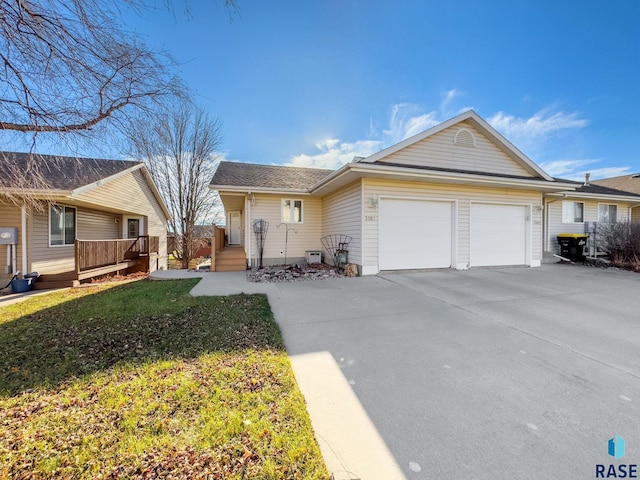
483	374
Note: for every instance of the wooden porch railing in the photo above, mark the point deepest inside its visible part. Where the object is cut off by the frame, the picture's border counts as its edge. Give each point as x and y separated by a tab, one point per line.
217	245
91	254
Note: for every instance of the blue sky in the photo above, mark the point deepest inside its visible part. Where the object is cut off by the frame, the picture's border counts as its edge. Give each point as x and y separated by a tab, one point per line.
314	83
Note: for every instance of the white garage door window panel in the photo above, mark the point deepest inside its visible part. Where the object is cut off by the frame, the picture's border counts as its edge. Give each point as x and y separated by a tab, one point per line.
415	234
498	235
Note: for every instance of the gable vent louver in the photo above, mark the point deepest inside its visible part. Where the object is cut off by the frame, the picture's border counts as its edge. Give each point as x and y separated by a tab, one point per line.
464	138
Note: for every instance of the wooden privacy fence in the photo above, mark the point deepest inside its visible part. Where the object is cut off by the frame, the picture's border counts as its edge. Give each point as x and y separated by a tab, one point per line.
218	238
92	254
217	245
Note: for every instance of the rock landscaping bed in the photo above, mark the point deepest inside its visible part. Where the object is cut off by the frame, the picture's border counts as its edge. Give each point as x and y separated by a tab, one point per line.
293	273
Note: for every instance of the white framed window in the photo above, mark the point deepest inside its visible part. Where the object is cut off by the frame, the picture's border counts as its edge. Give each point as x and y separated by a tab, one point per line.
607	213
572	212
291	210
62	225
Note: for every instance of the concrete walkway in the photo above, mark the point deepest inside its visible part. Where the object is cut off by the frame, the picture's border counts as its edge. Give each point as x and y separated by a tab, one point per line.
351	446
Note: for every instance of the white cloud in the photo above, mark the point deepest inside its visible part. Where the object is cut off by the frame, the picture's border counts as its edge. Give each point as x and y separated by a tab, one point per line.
541	124
406	121
597	173
575	169
448	98
332	153
558	168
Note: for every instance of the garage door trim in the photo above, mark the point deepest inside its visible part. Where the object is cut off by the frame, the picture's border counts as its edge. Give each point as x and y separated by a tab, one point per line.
454	220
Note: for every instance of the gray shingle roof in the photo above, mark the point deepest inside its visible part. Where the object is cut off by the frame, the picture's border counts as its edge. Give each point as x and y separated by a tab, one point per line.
599	189
59	173
235	174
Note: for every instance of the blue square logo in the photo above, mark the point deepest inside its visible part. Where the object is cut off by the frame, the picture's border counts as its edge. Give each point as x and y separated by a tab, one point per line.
616	447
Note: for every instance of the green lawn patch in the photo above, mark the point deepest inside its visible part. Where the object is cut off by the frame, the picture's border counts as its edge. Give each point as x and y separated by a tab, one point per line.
143	381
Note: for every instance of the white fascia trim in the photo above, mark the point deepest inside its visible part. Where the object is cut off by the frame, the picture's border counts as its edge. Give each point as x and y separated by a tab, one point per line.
595	196
436	175
470	114
105	180
156	192
38	193
332	176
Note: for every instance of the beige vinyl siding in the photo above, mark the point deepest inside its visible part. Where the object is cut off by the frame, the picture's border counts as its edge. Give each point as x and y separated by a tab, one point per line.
45	259
131	193
302	236
342	214
463	195
555	225
439	151
635	215
10	217
94	225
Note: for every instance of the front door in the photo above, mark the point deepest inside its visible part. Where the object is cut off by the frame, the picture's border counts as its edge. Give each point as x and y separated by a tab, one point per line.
235	231
133	228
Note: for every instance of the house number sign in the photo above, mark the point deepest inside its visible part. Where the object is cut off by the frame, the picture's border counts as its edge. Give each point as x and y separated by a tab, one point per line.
370	218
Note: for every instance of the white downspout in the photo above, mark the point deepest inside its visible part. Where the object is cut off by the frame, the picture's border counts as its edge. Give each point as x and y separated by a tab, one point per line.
24	239
247	237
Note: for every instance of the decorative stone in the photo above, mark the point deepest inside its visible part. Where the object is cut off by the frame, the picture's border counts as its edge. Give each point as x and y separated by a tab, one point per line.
293	273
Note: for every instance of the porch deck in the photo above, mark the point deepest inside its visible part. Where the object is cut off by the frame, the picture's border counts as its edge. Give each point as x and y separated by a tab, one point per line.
94	258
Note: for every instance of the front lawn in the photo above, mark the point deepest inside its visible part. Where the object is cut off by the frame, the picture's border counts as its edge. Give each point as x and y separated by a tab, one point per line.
143	381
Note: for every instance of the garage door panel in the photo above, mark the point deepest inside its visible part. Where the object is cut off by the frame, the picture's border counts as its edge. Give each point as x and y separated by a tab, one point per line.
498	235
415	234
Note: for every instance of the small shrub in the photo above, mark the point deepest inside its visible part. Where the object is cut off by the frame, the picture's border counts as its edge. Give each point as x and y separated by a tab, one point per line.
622	242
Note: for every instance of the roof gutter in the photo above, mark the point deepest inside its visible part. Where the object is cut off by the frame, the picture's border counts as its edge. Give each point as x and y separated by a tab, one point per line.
37	192
597	196
245	189
334	175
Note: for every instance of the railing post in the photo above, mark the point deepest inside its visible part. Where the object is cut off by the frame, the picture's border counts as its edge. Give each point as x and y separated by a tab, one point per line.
77	256
212	268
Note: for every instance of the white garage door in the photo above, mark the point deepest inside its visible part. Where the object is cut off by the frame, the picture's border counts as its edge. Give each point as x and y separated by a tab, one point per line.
498	235
414	234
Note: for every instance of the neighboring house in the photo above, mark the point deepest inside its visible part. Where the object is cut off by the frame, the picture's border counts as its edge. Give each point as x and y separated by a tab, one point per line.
628	183
458	195
201	240
93	217
576	211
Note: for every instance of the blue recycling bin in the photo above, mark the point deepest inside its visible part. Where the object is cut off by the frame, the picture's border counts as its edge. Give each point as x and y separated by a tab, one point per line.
21	285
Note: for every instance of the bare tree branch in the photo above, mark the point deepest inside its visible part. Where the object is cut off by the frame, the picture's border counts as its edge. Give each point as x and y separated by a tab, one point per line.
68	65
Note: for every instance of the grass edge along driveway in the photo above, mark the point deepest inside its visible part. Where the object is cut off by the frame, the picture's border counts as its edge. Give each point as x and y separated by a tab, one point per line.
142	380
